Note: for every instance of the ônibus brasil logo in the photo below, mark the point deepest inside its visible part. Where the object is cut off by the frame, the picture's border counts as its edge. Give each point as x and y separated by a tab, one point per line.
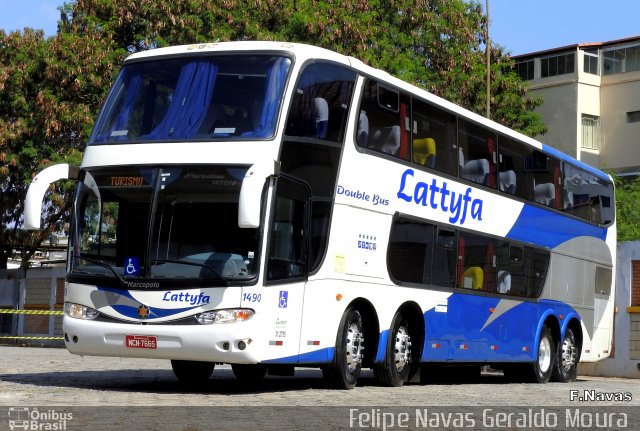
25	418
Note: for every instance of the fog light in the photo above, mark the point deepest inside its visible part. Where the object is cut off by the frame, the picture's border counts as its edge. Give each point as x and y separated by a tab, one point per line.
242	345
224	316
78	311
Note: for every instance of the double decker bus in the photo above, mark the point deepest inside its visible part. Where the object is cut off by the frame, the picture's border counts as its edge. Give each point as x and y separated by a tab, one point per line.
274	205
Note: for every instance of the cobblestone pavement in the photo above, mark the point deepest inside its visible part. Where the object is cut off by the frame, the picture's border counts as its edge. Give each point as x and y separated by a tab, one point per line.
54	377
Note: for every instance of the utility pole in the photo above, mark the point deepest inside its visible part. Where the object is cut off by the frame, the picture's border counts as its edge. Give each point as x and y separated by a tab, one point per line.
488	54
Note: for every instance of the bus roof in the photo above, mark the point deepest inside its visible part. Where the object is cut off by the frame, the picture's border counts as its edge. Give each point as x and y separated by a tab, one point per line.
303	52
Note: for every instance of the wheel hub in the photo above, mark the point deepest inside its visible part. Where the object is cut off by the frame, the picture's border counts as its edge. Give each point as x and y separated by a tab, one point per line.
569	354
402	349
544	354
355	346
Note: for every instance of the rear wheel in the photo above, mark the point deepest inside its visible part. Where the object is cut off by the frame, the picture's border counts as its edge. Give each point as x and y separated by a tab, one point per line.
192	372
540	370
567	359
394	369
343	372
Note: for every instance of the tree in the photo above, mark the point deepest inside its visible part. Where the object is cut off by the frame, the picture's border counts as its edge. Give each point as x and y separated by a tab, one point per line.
50	91
435	44
627	209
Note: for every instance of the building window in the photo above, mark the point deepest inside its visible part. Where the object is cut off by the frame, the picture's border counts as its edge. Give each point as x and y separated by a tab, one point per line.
633	117
558	65
525	69
590	132
635	283
591	61
621	60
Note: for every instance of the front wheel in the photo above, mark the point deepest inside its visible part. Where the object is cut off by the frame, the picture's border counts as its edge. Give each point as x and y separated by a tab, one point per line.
192	372
394	369
566	366
343	372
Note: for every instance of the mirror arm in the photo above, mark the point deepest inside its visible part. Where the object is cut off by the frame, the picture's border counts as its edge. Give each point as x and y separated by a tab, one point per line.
38	188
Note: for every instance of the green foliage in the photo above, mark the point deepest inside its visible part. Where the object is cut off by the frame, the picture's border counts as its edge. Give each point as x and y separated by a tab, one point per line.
435	44
628	210
50	91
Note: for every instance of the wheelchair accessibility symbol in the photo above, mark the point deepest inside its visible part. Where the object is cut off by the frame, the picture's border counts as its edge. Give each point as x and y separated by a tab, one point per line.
131	266
284	298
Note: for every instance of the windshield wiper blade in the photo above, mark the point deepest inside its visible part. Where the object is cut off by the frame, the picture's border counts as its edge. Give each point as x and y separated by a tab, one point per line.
102	264
187	262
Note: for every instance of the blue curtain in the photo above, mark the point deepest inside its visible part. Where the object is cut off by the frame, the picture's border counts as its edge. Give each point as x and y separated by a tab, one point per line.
133	88
276	78
189	103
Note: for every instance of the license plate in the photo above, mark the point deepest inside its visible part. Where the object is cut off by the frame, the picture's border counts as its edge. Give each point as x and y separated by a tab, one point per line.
141	341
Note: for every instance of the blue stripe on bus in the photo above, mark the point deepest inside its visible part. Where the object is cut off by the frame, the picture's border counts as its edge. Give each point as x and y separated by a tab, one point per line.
460	334
549	229
468	332
132	310
321	356
566	158
154	313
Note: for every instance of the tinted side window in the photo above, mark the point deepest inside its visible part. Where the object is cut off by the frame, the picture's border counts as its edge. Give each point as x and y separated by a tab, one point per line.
587	196
513	178
423	253
433	138
540	265
319	108
383	122
477	154
409	255
317	120
476	262
287	256
547	176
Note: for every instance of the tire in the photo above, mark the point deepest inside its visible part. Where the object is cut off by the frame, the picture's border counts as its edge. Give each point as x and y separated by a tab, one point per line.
192	372
540	370
394	369
567	358
343	372
249	372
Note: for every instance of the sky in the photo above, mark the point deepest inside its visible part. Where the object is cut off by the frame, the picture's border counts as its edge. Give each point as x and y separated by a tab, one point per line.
520	26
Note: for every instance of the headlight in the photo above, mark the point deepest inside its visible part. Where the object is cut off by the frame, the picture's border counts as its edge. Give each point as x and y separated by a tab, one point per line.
78	311
224	316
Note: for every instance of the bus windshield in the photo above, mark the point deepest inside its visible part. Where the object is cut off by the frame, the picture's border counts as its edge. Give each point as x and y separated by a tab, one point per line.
194	98
178	223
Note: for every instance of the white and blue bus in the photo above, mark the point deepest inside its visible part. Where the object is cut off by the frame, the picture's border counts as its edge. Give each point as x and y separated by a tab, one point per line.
273	205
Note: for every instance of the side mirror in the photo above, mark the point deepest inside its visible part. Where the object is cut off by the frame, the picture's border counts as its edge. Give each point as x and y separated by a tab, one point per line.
37	189
250	204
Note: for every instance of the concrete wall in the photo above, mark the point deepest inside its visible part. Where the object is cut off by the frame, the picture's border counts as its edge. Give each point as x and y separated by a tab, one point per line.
621	140
39	289
624	362
559	113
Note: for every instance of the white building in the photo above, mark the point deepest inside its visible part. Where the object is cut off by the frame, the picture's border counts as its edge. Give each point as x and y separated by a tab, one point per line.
591	100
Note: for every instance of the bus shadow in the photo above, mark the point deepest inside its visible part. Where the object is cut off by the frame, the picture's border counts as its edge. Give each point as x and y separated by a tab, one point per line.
221	382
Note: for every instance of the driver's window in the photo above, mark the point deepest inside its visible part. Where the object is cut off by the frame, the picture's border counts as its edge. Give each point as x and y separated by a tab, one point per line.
287	256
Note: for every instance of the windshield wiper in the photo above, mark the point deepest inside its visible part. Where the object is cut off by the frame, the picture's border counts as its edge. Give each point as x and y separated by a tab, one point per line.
186	262
102	264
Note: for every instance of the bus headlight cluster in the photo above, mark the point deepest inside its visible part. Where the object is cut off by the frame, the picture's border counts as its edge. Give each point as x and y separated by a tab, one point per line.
224	316
78	311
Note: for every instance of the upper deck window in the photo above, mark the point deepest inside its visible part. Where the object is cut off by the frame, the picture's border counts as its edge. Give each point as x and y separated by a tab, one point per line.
193	99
